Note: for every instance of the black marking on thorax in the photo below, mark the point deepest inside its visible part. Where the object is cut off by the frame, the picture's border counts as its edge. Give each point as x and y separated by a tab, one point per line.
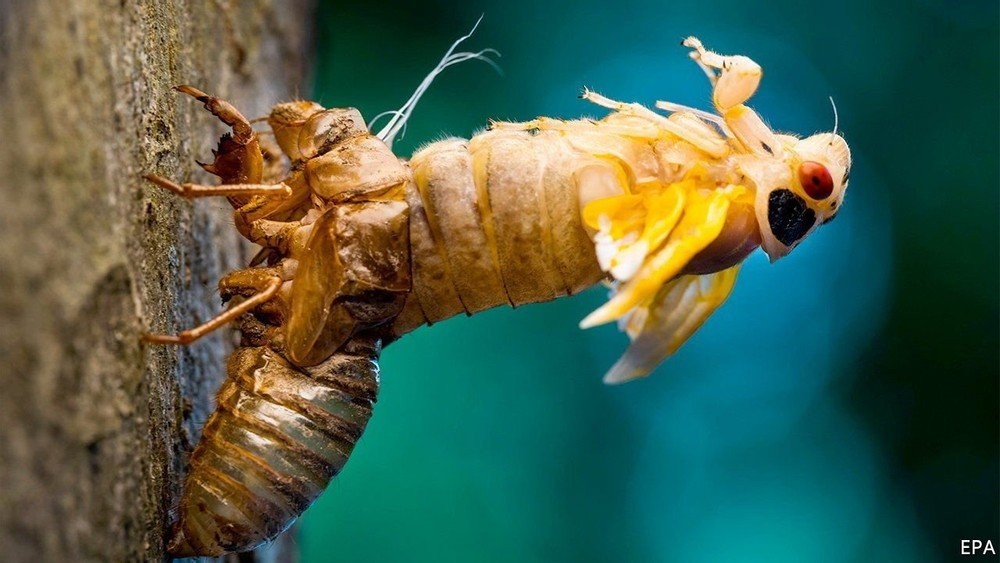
788	216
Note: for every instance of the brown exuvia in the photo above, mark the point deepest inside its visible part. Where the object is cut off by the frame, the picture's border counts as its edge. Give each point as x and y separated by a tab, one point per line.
360	247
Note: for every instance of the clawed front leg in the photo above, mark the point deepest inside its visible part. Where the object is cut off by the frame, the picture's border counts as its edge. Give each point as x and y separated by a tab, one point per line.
734	80
225	111
238	158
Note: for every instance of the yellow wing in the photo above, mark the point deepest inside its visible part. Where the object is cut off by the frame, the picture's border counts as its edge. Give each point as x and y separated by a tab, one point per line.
675	313
704	215
646	241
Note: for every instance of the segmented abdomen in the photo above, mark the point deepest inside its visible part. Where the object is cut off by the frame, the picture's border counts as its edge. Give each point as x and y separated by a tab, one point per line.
496	220
278	436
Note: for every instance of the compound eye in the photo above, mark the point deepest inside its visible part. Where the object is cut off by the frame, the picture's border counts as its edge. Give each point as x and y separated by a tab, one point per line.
816	180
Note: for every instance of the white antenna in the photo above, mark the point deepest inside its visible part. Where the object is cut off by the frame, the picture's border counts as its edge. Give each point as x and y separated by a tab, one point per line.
400	116
836	120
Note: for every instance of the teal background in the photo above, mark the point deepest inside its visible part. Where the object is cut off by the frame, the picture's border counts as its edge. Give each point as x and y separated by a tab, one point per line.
842	406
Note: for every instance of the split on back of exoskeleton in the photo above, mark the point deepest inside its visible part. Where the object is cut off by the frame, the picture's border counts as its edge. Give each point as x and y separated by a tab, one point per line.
673	242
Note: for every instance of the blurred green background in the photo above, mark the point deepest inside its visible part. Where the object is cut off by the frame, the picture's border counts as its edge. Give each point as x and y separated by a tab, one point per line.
843	405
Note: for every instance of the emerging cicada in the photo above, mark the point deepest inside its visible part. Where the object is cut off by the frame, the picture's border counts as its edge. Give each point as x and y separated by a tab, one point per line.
360	247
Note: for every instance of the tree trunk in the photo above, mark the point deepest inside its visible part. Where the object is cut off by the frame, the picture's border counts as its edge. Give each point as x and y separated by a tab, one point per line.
95	427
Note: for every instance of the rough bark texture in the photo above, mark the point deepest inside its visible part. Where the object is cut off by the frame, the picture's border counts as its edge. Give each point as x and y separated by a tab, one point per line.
94	427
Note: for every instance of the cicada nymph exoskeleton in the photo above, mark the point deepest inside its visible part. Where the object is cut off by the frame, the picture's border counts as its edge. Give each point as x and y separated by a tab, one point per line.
360	247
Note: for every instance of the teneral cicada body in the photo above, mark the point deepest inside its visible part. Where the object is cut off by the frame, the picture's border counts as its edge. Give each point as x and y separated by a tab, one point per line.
360	247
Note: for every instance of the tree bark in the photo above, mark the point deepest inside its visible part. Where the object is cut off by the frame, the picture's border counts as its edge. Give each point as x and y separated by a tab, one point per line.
95	427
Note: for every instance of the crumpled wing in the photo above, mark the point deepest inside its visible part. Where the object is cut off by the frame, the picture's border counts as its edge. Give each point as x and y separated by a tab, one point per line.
674	314
703	219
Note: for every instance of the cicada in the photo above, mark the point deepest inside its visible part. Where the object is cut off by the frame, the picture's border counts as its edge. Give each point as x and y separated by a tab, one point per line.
360	247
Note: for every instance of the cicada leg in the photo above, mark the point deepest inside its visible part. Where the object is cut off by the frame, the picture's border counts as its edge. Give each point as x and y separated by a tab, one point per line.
265	232
247	282
225	111
276	235
266	280
190	191
734	80
238	157
239	162
250	282
690	129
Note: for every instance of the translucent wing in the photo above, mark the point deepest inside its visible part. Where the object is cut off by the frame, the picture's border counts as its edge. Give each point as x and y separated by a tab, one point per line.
675	313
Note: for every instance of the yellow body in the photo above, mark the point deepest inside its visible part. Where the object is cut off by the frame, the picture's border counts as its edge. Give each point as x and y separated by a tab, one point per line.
529	212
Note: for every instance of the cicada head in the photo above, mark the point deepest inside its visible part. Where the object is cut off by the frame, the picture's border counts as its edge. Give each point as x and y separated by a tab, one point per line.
287	121
326	129
801	191
305	129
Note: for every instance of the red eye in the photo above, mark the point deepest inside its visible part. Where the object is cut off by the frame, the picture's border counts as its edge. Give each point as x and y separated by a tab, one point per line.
815	179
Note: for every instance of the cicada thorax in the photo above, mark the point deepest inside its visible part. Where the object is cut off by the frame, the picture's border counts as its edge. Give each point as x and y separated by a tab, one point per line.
340	237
